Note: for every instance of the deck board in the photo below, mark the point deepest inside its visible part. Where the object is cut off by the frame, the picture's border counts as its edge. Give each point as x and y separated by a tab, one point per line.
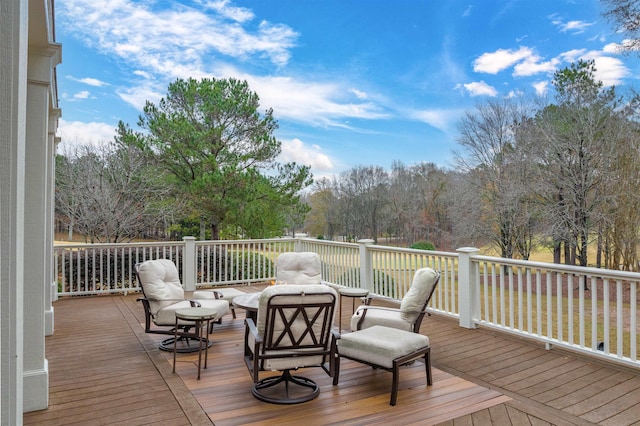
105	370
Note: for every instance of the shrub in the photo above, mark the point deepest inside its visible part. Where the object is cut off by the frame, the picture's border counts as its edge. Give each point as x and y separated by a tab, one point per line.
423	245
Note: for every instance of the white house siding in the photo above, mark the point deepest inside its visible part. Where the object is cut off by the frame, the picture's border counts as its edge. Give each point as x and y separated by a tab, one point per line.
28	122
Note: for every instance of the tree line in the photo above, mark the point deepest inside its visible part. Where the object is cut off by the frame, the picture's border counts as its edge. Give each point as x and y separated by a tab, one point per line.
529	174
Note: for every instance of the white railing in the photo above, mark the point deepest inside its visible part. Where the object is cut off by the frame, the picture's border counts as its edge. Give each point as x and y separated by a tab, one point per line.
590	310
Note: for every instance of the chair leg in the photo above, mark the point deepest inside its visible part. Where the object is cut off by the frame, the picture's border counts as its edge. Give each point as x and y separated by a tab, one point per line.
427	363
395	383
336	370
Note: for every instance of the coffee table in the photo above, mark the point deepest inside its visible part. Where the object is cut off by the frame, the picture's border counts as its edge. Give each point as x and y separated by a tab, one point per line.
248	302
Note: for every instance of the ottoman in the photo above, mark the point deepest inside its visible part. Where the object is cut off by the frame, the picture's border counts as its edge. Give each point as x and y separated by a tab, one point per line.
386	348
228	293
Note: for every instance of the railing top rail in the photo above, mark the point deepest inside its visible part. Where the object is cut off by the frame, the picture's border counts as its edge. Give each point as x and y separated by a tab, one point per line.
554	267
328	242
410	250
116	245
247	241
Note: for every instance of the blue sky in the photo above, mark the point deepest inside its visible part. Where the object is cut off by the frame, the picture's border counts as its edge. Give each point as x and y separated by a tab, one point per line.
351	82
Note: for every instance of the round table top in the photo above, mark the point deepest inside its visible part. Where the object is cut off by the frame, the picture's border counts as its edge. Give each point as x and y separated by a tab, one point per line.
195	314
353	292
248	301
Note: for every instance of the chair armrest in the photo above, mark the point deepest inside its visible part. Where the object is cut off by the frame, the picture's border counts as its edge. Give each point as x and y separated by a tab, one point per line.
140	299
251	328
195	303
365	308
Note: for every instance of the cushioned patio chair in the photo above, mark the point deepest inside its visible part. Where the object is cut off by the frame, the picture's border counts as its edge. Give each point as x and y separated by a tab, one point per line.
298	268
412	308
293	330
163	295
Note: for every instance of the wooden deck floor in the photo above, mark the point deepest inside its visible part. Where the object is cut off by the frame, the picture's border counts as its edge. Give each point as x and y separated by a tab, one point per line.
105	370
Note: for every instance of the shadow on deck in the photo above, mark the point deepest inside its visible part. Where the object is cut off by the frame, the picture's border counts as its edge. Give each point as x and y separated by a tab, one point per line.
105	370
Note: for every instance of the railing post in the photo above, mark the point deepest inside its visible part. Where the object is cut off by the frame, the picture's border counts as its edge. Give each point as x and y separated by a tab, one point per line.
467	289
189	263
366	265
297	245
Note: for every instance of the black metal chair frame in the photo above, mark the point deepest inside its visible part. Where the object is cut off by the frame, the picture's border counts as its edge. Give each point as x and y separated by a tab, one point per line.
285	344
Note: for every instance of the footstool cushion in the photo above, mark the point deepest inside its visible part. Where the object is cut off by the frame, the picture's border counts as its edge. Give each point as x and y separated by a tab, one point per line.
384	347
224	293
380	345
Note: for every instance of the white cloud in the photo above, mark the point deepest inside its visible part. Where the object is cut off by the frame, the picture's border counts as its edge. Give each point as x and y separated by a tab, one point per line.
572	55
467	11
480	88
442	119
515	94
76	133
312	156
359	94
494	62
238	14
138	96
157	40
84	94
575	27
611	71
541	87
533	65
89	81
316	103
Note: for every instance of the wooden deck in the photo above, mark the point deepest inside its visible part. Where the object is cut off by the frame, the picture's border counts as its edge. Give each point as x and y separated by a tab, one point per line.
105	370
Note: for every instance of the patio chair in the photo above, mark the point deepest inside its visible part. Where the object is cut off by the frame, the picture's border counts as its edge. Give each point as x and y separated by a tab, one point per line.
163	295
298	268
412	308
293	330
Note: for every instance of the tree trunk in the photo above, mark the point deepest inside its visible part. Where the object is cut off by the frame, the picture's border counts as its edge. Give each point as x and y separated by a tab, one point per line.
215	231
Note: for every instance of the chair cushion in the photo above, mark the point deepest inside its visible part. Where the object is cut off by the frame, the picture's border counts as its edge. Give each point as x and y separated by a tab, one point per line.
160	282
310	293
167	315
413	301
380	345
299	268
377	315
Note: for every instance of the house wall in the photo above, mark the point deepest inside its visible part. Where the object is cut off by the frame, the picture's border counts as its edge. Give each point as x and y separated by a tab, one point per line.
28	121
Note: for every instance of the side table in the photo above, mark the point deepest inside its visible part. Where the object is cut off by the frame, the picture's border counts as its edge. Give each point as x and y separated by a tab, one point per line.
353	293
200	317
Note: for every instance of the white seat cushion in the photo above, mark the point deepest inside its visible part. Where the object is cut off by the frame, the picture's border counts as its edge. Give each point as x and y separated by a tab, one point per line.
378	315
380	345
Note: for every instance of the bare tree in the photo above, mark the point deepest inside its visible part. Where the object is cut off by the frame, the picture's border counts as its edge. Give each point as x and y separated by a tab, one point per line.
108	194
625	14
491	162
